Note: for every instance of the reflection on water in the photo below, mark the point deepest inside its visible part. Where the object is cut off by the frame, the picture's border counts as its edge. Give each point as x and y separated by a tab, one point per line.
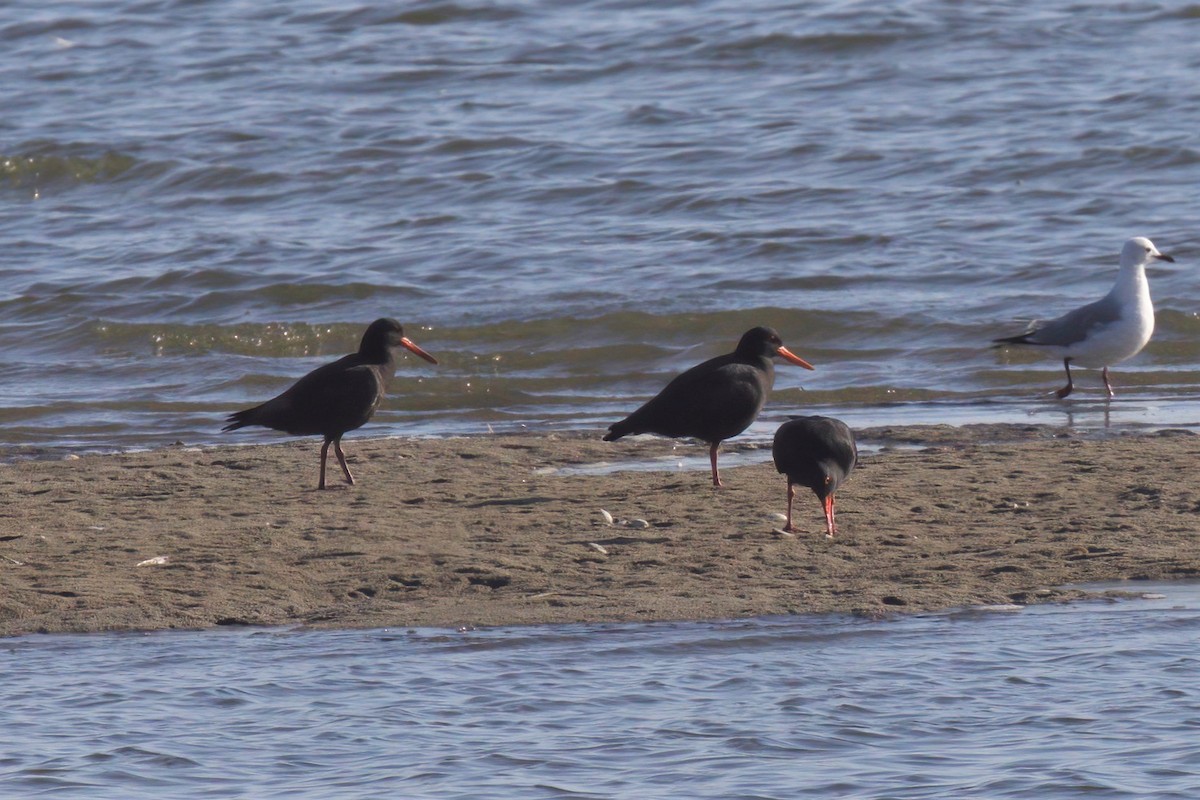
1095	699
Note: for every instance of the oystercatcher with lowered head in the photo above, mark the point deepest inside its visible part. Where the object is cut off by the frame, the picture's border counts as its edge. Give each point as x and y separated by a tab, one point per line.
817	452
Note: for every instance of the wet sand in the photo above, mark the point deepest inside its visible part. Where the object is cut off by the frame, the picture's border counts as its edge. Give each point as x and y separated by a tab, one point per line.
498	530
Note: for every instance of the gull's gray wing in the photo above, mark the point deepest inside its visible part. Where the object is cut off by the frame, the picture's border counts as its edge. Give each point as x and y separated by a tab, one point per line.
1077	325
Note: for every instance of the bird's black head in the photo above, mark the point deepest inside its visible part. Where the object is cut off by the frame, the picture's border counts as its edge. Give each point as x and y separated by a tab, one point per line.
382	336
764	341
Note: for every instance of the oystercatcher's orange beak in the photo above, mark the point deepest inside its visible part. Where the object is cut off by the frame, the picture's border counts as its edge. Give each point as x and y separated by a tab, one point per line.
788	355
409	344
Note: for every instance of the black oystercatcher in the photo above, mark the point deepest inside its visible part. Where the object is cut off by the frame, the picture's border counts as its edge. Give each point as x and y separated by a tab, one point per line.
337	397
817	452
716	400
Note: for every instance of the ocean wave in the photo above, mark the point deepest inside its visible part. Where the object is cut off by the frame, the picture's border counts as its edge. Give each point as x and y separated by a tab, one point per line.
42	165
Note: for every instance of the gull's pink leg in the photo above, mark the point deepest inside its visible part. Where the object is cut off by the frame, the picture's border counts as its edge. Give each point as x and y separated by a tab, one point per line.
1066	390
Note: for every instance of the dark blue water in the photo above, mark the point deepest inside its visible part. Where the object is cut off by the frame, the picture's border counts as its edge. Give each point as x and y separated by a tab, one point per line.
569	202
1087	700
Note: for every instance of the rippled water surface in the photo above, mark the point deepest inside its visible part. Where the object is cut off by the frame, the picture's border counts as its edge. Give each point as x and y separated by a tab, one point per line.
1089	700
569	202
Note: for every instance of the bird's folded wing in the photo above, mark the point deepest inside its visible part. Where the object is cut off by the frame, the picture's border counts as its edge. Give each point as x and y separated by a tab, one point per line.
1077	325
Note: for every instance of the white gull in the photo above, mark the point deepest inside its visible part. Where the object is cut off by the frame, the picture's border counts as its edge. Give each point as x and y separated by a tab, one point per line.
1108	331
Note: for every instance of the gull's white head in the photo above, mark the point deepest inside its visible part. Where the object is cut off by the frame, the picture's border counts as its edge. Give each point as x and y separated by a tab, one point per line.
1139	251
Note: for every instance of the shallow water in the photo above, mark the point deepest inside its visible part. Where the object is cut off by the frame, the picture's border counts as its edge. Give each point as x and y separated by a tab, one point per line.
1094	699
569	202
